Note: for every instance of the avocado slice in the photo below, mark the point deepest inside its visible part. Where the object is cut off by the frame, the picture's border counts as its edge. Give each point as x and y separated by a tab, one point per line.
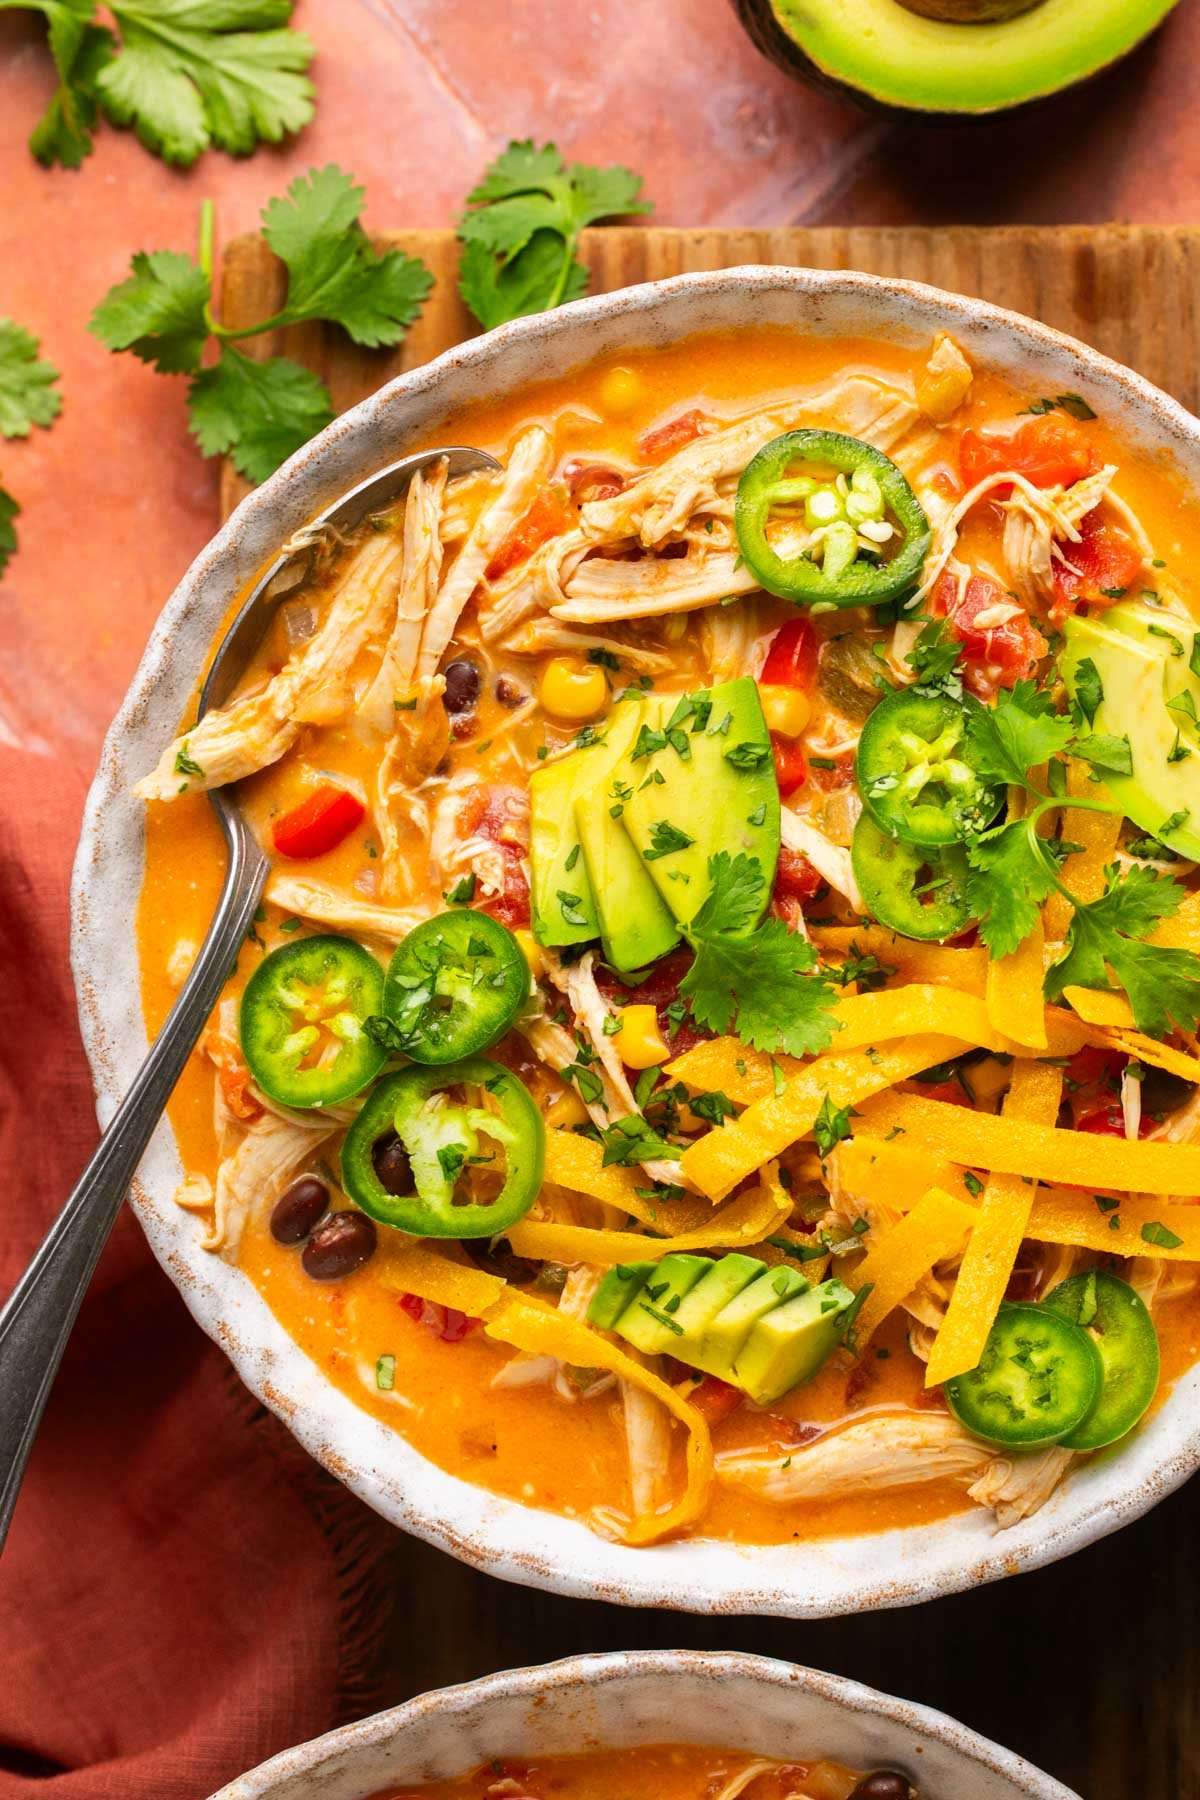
789	1343
564	908
719	1345
635	926
1143	659
711	787
649	1323
967	58
617	1291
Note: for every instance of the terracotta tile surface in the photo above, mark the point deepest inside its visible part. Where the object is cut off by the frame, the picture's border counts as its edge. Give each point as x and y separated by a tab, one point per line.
415	96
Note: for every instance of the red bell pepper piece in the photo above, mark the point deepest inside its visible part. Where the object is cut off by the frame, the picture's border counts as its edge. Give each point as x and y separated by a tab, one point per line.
792	658
319	823
663	440
791	764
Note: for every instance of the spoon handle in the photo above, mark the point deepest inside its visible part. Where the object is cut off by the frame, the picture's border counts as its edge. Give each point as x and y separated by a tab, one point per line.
37	1319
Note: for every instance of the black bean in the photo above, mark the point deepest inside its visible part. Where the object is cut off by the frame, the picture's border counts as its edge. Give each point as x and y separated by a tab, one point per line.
509	694
884	1784
392	1166
339	1246
498	1258
463	682
298	1208
1163	1091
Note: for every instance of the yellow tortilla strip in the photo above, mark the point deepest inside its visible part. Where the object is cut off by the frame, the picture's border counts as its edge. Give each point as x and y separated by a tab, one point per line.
963	969
1041	1152
991	1254
1016	1006
410	1268
578	1162
1060	1216
896	1174
1095	1007
1182	932
724	1156
932	1231
541	1331
747	1219
1083	871
726	1063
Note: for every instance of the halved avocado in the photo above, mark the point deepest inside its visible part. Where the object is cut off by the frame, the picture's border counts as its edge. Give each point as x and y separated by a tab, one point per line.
948	57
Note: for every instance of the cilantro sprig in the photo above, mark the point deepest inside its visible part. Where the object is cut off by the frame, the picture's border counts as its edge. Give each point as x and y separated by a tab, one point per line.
520	231
1013	868
764	979
184	74
260	412
28	397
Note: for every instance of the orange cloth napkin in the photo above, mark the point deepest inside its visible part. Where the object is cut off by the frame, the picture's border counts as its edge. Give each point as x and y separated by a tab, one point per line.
183	1592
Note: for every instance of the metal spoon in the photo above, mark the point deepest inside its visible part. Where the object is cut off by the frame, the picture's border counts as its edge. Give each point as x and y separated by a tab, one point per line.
37	1319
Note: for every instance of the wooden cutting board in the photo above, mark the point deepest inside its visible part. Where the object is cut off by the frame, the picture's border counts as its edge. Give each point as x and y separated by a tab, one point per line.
1129	290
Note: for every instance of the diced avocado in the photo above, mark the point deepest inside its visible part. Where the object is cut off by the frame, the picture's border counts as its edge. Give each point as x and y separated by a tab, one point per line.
635	926
789	1343
564	910
649	1322
616	1292
710	786
718	1347
949	57
1133	650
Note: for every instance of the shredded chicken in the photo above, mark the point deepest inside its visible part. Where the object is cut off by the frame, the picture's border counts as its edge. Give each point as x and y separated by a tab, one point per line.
734	641
943	384
829	860
540	635
603	590
313	687
533	587
453	855
418	590
271	1152
1031	533
884	1450
1036	501
647	1442
326	906
1016	1486
760	1766
527	470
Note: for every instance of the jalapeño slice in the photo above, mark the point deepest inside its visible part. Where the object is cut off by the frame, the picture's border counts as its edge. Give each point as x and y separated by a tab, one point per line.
914	773
1037	1380
475	1143
919	890
302	1021
860	538
453	988
1119	1324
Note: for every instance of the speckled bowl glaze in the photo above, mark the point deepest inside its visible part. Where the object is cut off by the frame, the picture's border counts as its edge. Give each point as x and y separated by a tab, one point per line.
827	1576
731	1701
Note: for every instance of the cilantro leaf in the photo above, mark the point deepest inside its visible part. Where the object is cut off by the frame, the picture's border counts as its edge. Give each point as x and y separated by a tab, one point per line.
630	1141
1006	741
190	73
1007	881
27	392
1089	689
1163	985
258	412
521	229
334	272
159	312
1110	755
80	50
8	536
764	979
934	657
832	1125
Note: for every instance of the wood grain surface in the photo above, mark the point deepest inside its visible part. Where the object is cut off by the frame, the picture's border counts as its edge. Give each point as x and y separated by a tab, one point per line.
1090	1668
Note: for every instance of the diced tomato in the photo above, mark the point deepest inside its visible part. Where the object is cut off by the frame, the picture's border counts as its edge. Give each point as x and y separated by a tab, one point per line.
714	1399
445	1322
995	656
548	517
511	905
946	483
659	990
1093	1066
841	775
791	764
663	441
795	877
501	814
792	658
1049	451
952	1093
1108	563
592	481
319	823
234	1078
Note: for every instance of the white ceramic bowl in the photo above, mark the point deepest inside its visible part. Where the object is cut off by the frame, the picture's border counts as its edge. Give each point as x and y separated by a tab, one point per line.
801	1580
730	1700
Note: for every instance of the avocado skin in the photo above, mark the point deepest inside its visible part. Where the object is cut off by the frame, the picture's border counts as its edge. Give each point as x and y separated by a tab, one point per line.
758	20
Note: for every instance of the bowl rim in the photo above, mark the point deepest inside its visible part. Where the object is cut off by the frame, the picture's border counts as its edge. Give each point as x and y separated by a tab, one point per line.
621	1668
478	1527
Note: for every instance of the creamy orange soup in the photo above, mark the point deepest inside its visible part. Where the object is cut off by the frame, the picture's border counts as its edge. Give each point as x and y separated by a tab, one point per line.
471	1373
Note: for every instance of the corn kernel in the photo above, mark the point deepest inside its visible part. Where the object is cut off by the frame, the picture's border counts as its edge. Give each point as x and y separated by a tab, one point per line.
531	950
566	1109
640	1043
786	710
573	690
620	390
